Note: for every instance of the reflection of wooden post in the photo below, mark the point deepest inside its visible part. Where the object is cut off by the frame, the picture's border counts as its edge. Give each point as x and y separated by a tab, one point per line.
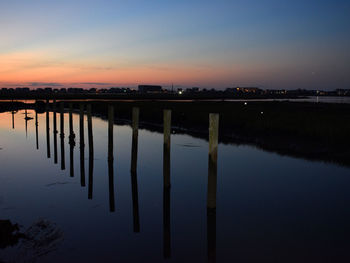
133	169
135	134
48	130
110	158
36	130
91	151
212	181
63	159
71	140
82	146
166	184
54	132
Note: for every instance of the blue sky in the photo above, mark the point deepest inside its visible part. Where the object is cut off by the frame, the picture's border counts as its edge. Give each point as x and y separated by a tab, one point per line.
212	44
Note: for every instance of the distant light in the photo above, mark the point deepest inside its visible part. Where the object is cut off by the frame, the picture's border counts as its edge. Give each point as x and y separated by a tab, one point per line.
262	112
245	103
180	92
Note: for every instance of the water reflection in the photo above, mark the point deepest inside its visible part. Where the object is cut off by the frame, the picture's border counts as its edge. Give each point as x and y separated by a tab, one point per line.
82	145
133	169
55	132
91	151
71	140
110	158
63	159
167	226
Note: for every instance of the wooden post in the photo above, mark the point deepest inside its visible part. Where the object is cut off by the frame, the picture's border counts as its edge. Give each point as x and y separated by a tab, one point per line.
55	132
82	146
166	185
110	158
48	130
213	156
135	134
166	148
71	140
13	119
36	129
91	151
26	122
133	169
212	185
63	159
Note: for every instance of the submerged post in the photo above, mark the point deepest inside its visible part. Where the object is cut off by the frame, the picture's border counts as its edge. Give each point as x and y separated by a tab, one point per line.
91	151
82	145
71	140
110	158
212	185
63	159
166	185
133	169
48	129
54	132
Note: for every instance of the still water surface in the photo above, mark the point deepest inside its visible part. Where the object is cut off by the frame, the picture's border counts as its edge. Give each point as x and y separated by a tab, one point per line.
270	208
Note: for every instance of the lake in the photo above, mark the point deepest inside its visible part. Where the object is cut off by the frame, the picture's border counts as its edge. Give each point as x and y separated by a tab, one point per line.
91	193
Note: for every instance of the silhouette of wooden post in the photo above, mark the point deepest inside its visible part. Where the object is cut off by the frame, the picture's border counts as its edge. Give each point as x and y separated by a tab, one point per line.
91	151
82	145
212	182
63	159
55	131
110	157
26	122
135	134
133	169
166	184
36	130
13	119
48	129
166	148
71	140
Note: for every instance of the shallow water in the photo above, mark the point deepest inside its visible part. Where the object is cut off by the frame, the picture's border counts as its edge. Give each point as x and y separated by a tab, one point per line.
269	208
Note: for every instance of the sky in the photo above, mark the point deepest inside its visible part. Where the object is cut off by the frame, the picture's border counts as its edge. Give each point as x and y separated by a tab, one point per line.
272	44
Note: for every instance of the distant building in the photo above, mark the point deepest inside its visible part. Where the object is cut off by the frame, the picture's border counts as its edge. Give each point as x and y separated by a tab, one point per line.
150	89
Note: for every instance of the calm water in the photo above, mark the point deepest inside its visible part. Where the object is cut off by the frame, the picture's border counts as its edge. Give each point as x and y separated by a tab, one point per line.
270	208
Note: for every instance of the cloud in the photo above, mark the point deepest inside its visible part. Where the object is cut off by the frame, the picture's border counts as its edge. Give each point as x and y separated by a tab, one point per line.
95	83
36	84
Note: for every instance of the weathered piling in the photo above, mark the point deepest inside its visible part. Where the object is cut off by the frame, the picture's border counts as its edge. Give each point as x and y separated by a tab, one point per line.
212	185
166	184
213	156
55	132
13	119
82	145
36	130
26	122
135	134
133	169
63	159
91	151
166	148
48	130
110	158
71	140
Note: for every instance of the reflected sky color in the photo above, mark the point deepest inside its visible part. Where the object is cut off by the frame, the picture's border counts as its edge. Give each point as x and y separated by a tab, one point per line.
269	207
212	44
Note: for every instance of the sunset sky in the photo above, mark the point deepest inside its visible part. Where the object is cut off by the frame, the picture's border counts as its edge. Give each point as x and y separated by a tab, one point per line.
210	44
